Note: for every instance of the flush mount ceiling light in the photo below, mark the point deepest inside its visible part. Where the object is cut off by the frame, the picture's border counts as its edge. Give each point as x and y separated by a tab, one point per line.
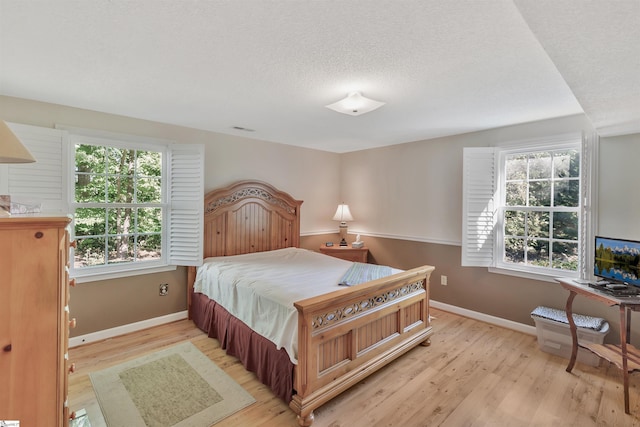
355	104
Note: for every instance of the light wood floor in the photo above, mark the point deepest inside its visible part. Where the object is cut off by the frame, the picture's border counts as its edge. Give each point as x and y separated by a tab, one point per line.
473	374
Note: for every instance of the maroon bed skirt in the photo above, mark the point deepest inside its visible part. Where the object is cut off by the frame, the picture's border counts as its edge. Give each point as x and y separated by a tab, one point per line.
258	355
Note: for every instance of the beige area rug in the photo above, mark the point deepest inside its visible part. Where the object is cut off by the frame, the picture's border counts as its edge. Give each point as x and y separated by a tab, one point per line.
175	387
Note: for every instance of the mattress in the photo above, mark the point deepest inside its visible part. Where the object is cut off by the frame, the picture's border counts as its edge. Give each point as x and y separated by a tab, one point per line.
260	288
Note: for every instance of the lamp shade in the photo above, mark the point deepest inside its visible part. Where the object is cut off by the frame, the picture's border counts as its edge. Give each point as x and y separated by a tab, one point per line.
355	104
343	214
11	149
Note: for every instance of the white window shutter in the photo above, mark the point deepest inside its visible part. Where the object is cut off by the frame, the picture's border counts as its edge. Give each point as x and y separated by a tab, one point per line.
186	204
45	181
478	206
589	194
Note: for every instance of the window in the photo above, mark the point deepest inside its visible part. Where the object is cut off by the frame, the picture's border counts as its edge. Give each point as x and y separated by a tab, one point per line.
118	204
526	207
539	214
137	202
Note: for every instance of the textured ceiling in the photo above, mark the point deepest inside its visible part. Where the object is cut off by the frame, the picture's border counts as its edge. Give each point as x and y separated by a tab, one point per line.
442	67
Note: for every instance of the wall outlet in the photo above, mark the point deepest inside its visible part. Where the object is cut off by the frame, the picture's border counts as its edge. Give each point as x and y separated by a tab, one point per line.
164	289
443	280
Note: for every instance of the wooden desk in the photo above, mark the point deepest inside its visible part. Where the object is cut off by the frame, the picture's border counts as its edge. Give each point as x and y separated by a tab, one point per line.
625	356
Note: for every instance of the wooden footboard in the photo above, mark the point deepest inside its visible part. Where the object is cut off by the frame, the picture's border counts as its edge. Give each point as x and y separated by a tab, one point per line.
347	335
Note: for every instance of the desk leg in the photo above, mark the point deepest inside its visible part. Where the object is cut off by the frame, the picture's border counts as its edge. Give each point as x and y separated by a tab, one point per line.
623	347
572	327
628	309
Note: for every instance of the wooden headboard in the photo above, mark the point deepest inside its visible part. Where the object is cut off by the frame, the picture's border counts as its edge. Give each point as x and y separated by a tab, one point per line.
249	216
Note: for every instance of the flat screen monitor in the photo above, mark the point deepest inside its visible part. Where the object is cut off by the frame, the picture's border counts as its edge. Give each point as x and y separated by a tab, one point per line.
617	260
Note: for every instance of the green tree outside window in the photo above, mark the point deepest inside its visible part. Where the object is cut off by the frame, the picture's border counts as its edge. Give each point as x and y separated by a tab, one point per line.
541	214
119	211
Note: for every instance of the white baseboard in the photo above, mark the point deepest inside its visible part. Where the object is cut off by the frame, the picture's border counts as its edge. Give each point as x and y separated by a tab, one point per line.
125	329
144	324
498	321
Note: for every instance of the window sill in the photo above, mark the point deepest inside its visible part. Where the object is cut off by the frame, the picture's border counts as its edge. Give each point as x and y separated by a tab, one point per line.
530	275
84	277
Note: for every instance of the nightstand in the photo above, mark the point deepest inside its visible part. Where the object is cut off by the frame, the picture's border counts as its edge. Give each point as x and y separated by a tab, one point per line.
346	252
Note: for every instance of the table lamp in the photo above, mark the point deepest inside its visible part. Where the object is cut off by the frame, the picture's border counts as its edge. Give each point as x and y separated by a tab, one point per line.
343	215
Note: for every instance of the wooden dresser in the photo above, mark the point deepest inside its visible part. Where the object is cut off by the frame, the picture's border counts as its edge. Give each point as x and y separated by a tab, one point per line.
34	320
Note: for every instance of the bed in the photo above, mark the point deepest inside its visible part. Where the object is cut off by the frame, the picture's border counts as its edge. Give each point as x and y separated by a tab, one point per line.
342	336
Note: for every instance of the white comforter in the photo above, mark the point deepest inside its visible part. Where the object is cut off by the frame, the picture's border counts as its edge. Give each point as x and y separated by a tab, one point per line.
260	288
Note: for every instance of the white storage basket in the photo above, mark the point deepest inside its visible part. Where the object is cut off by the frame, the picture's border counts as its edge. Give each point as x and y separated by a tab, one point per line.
555	337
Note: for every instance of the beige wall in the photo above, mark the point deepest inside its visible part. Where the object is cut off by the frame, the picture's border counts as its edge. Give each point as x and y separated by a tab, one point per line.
406	200
111	303
309	175
414	190
619	191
